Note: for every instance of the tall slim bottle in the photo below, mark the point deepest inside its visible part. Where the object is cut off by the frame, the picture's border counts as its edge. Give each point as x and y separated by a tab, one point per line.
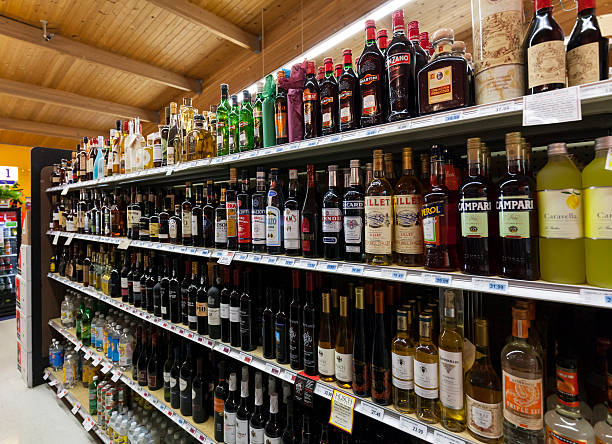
379	216
274	218
353	216
295	325
309	334
310	218
362	354
231	211
291	216
246	128
312	106
281	123
402	365
331	214
344	346
222	123
258	212
243	202
381	355
426	373
326	341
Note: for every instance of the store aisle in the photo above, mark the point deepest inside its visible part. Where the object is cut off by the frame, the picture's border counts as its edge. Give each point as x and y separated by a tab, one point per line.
29	416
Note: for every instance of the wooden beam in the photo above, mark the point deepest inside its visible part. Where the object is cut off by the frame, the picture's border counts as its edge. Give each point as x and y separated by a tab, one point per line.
64	98
215	24
45	129
74	48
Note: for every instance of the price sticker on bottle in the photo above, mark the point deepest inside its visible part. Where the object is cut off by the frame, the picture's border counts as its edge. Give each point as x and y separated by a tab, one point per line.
342	411
371	410
75	408
412	427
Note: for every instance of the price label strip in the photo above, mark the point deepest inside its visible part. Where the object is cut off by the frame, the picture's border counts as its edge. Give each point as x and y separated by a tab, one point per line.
342	411
412	427
75	408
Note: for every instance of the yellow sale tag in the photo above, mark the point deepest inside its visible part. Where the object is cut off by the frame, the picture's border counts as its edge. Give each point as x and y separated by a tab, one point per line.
342	411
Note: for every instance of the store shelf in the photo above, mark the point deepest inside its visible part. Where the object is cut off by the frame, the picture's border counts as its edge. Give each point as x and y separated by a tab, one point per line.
78	398
202	432
407	423
538	290
596	99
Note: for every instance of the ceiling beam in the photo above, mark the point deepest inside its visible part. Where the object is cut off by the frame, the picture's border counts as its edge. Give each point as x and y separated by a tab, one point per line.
45	129
31	34
215	24
64	98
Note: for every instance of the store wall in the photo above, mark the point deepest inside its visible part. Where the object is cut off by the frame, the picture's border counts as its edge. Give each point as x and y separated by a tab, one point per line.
18	156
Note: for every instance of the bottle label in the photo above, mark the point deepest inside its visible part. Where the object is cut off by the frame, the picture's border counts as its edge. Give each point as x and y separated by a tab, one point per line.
426	379
346	109
258	226
567	388
369	105
583	64
440	85
598	209
495	33
270	440
229	427
221	231
560	214
332	222
194	225
474	217
308	111
172	229
398	66
167	377
554	437
326	112
326	361
379	224
201	309
408	224
546	63
353	227
431	222
523	401
308	341
309	96
214	315
244	225
344	366
257	435
172	382
273	226
514	216
402	369
234	315
451	379
292	229
224	311
281	125
484	419
242	431
230	208
136	287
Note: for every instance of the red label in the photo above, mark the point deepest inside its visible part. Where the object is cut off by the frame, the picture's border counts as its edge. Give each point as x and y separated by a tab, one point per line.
219	405
567	387
368	78
305	234
310	96
398	59
345	95
244	226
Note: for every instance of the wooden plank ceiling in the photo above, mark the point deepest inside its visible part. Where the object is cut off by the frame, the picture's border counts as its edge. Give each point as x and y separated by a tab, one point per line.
144	53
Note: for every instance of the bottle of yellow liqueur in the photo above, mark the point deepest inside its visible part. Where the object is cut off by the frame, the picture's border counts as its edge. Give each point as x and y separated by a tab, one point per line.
379	216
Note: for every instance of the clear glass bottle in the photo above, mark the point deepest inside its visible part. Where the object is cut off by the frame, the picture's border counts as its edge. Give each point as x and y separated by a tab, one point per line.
379	216
402	364
326	341
67	312
426	373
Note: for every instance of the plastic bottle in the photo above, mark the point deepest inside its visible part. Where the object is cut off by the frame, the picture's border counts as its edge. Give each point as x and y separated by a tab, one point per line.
100	333
125	350
70	371
115	334
67	312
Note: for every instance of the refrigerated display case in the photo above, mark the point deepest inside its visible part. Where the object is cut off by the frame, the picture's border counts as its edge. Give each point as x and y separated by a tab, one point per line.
10	242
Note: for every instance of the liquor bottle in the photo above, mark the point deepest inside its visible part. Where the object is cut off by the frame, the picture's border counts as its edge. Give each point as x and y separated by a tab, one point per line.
348	94
426	372
269	344
186	216
219	403
561	242
258	213
603	428
361	348
311	228
443	83
274	219
196	219
230	409
596	182
192	295
143	358
246	126
175	373
174	293
312	107
381	356
221	222
291	214
439	218
273	431
309	333
522	373
257	421
281	330
154	367
331	218
400	64
325	343
370	68
243	203
202	301
379	216
234	125
289	434
175	226
328	88
295	325
518	219
208	216
224	306
344	346
407	203
353	214
126	277
214	304
243	414
247	333
170	358
231	209
234	310
222	123
421	56
281	123
402	364
164	220
382	36
200	394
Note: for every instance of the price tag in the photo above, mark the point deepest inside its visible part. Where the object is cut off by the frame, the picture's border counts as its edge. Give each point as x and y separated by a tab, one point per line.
452	117
46	375
599	297
124	243
310	143
53	382
205	253
116	375
294	146
255	258
557	106
223	349
272	369
62	393
106	367
394	274
75	408
288	376
88	424
490	285
356	270
308	265
78	346
56	238
87	354
414	428
69	240
334	139
210	441
242	257
246	358
327	266
435	279
96	361
271	260
342	411
324	391
421	122
371	410
169	171
201	438
218	253
372	272
443	438
287	262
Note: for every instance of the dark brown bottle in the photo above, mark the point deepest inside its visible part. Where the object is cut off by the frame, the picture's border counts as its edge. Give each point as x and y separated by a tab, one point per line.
382	40
329	100
544	51
348	94
280	112
400	64
370	68
587	50
311	218
312	107
421	56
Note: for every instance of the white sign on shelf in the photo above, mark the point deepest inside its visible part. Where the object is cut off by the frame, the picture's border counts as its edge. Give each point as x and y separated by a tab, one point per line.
75	408
414	428
342	411
561	105
226	258
497	285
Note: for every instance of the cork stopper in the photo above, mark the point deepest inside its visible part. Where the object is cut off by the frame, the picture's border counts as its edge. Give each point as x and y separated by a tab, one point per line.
513	138
443	34
603	143
459	46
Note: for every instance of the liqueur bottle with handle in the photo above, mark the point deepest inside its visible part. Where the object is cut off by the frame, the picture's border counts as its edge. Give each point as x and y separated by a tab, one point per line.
326	341
379	216
402	359
332	218
329	100
518	217
587	50
312	106
400	63
362	353
344	346
439	219
370	69
280	111
381	355
348	94
544	51
310	218
353	215
426	372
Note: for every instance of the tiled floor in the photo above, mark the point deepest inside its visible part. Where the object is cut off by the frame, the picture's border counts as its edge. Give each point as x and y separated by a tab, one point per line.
31	416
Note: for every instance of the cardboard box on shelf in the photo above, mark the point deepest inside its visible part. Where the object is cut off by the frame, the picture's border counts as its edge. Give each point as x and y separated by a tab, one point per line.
25	262
23	295
24	364
24	327
25	230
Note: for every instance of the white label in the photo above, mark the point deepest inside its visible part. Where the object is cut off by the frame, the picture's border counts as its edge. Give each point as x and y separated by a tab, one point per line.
451	379
332	220
221	231
124	244
342	411
136	286
257	435
561	105
214	316
560	214
344	366
353	226
426	379
225	311
75	408
484	419
402	369
291	229
326	361
234	314
172	382
229	427
242	431
273	227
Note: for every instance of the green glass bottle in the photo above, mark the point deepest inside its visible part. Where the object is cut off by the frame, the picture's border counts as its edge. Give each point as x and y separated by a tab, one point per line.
234	126
269	129
258	134
86	325
246	130
222	123
79	318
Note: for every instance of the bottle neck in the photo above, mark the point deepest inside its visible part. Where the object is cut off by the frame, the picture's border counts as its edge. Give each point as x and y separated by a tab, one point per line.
370	36
474	169
437	173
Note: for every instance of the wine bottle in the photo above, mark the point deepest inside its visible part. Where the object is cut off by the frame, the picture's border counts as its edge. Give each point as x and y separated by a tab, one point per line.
185	383
325	343
329	99
257	422
187	216
353	216
243	414
143	359
310	219
344	346
272	432
229	411
170	358
247	340
137	351
243	200
295	325
361	351
174	293
202	301
402	365
289	435
219	403
214	306
224	305
379	216
231	211
199	397
426	372
281	330
370	68
164	284
125	272
154	369
331	214
234	309
184	293
208	216
175	375
291	214
196	219
269	341
309	319
274	219
258	212
381	356
221	222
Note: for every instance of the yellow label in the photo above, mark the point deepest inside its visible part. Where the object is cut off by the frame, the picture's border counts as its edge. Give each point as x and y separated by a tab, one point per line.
560	214
379	224
546	63
499	40
408	224
583	64
598	211
440	85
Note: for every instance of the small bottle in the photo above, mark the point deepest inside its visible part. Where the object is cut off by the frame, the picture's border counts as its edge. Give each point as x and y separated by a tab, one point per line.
344	346
326	341
426	373
402	358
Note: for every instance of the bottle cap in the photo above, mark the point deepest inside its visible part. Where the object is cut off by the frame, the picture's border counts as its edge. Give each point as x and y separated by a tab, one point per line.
459	46
603	143
370	24
310	67
443	34
557	148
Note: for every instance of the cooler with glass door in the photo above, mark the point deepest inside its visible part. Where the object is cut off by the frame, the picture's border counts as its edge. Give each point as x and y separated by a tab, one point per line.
10	242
